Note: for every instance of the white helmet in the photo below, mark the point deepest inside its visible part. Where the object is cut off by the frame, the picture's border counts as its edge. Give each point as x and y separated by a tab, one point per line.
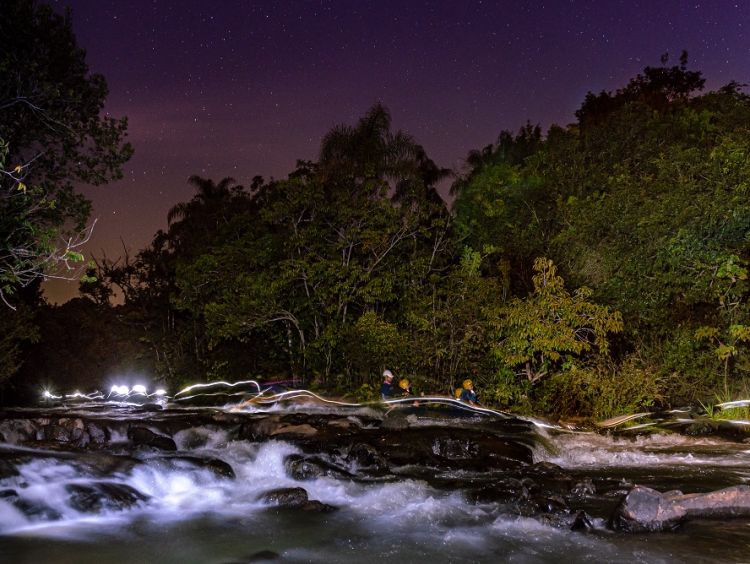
387	374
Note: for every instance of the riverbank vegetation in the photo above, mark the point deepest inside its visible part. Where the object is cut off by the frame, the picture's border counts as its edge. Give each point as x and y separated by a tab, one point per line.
592	269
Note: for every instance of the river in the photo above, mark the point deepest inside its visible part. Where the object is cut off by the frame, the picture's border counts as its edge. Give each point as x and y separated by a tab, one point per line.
189	513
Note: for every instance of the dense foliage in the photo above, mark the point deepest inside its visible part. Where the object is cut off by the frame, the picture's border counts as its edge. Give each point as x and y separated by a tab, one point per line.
52	135
591	270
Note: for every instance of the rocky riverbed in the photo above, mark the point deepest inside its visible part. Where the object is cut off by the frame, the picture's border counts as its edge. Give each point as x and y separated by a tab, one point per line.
416	483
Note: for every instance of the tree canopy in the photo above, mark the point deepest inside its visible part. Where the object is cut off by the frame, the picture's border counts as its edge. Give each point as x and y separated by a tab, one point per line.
591	269
53	135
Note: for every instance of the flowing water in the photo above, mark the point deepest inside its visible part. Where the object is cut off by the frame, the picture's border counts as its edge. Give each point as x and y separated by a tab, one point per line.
194	515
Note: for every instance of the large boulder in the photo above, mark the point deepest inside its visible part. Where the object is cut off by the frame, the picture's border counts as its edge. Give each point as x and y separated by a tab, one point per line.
645	509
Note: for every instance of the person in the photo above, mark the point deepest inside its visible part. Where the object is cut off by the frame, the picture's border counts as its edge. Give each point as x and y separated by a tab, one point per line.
404	388
467	393
387	389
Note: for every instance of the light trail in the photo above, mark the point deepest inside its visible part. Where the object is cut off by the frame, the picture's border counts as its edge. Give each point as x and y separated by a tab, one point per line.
219	383
731	404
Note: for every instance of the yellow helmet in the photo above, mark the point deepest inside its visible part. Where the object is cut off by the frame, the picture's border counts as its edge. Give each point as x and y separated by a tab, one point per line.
403	384
467	384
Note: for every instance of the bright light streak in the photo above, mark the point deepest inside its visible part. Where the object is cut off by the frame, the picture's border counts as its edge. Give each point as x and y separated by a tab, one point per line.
139	389
731	404
79	395
220	383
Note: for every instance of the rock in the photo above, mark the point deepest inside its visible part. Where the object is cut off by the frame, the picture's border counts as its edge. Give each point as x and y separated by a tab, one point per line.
582	522
55	433
583	488
367	457
18	430
315	506
294	498
550	504
95	497
285	497
2	438
454	449
310	467
146	437
105	464
98	436
260	428
506	491
645	509
304	430
700	427
215	465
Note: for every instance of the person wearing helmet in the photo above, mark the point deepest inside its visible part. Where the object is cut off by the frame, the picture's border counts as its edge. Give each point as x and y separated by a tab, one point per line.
387	389
467	393
404	388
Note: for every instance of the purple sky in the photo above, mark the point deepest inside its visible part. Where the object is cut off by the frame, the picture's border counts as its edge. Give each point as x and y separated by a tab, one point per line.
239	88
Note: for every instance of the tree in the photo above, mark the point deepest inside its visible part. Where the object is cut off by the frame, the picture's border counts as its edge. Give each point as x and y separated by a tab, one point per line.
52	136
538	333
322	258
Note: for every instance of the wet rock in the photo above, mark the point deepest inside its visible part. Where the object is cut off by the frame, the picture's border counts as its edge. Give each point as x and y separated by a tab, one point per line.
582	523
285	497
550	504
146	437
395	421
105	464
583	488
98	435
304	430
315	506
99	496
506	491
455	449
548	477
701	427
366	457
310	467
261	428
294	498
645	509
215	465
452	448
54	433
17	431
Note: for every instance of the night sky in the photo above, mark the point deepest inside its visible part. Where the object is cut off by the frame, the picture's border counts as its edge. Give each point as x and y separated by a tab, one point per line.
240	88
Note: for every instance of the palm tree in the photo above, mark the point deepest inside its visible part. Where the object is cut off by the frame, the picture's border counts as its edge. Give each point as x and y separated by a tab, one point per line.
192	223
